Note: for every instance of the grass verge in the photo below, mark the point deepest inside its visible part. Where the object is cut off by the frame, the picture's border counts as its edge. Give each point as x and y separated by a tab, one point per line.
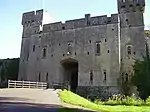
75	99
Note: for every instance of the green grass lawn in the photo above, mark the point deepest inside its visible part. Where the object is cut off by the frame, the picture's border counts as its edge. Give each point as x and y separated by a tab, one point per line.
75	99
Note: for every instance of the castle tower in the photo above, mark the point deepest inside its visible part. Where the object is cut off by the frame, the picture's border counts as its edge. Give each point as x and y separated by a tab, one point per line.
132	40
31	22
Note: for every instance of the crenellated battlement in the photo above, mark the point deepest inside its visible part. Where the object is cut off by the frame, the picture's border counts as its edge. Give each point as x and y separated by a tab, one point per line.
131	5
83	22
32	17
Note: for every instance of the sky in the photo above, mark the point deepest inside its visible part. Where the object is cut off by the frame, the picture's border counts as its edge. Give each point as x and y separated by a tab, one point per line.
58	10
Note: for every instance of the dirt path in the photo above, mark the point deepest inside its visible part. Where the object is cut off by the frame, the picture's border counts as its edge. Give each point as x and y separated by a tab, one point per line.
29	100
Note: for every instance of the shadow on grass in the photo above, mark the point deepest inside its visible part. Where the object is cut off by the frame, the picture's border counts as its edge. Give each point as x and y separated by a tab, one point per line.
12	104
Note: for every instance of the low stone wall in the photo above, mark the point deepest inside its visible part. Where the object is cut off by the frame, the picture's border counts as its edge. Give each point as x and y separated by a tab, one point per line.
102	92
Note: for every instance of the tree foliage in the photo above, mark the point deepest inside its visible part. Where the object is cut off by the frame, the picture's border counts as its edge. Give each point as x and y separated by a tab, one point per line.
147	33
141	78
9	69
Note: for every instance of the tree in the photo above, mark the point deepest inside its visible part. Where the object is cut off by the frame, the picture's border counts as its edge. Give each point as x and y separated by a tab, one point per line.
141	78
9	69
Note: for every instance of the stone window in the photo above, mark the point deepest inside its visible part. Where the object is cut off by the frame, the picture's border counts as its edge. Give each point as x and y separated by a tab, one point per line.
104	76
91	77
88	53
27	56
44	52
126	22
108	51
90	41
97	48
40	32
33	48
123	6
46	77
69	48
130	5
125	77
105	40
137	4
39	77
63	28
75	53
129	50
88	23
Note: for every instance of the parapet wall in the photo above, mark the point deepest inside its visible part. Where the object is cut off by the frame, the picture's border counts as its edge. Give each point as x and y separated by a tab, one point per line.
29	18
83	22
130	5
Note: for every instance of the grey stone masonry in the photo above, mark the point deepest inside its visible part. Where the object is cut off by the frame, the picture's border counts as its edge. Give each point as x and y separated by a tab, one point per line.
90	52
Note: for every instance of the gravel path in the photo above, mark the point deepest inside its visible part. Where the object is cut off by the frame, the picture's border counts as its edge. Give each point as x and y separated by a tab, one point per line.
30	100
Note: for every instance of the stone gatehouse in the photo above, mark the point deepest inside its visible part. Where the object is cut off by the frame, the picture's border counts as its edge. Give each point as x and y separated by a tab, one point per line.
93	54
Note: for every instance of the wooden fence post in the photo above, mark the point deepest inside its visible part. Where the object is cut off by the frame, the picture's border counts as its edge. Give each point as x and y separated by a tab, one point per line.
29	84
36	85
15	84
42	85
22	84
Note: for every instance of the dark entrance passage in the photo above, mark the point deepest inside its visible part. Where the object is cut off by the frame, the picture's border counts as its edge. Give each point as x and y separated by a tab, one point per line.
71	74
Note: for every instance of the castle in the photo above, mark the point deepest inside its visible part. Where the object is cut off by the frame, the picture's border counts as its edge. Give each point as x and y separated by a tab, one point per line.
93	54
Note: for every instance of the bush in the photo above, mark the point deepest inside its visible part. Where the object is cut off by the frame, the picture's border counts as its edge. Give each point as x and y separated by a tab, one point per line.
148	101
4	84
98	101
134	101
123	100
114	100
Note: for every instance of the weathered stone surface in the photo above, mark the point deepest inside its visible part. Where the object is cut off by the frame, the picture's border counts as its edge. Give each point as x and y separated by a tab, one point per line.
120	39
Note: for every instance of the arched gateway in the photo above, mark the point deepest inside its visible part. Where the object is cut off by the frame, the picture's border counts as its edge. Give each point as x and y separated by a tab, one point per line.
70	74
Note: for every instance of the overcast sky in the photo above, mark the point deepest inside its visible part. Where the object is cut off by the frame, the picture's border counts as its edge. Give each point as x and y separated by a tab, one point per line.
59	10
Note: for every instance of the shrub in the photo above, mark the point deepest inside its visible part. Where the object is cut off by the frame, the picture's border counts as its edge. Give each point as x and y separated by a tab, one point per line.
148	101
123	100
98	101
134	101
114	100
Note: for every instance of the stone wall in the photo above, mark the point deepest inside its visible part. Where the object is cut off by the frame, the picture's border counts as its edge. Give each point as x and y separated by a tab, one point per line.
82	22
102	92
132	38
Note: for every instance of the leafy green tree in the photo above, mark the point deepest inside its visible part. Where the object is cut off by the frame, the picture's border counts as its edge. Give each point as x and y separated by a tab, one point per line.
12	69
1	62
9	69
141	78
